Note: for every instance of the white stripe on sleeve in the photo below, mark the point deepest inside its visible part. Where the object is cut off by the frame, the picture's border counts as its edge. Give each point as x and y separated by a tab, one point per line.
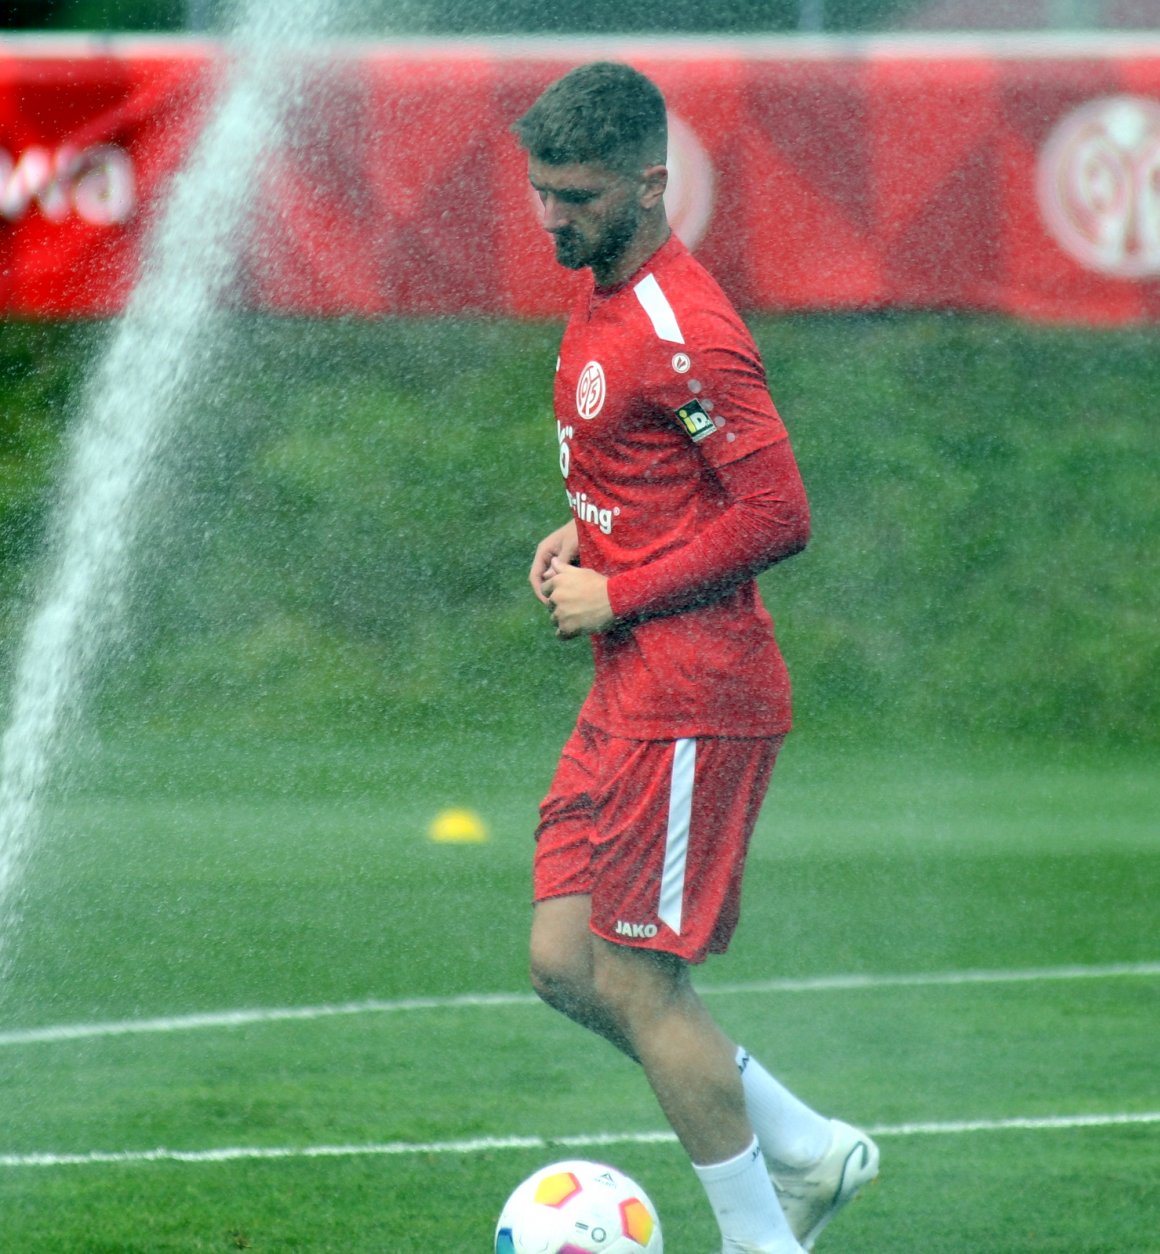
656	304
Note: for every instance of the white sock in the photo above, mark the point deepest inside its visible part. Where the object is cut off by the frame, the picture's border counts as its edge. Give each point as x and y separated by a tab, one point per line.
748	1212
790	1133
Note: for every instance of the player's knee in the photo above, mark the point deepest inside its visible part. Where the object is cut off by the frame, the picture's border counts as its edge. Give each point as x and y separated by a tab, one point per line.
560	952
545	982
557	978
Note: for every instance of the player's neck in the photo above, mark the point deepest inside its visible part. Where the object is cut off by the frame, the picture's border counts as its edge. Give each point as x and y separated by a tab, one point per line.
653	234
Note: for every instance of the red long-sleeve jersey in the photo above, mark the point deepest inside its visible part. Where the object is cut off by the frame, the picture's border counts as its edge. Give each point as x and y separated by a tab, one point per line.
679	472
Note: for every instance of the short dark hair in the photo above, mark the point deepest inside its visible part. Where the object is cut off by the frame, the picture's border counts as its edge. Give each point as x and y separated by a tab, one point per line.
602	112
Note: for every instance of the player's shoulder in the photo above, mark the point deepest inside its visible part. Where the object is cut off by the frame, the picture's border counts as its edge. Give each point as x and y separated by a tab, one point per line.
683	301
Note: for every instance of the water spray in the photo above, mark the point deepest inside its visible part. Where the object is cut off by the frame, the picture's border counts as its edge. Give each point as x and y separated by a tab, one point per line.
160	350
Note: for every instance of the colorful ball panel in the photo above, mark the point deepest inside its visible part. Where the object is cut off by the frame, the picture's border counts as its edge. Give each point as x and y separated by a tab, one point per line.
636	1220
556	1190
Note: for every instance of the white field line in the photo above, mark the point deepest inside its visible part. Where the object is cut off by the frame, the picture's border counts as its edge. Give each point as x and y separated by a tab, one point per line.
817	984
497	1143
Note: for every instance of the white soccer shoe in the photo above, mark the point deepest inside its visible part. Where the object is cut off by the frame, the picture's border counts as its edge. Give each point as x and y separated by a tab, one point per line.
813	1196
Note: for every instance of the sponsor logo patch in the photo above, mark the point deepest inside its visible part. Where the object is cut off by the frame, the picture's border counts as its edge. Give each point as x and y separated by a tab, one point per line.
696	421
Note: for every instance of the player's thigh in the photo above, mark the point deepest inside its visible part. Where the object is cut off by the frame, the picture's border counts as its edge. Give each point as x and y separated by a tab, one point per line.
633	977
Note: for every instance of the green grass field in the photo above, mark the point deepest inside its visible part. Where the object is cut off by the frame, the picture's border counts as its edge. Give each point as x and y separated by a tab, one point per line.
396	1080
247	1004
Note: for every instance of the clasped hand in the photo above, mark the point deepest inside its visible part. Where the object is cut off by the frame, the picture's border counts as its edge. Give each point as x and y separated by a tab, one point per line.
576	598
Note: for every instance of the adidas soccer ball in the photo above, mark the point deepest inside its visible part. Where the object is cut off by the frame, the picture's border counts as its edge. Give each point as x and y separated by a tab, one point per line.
578	1207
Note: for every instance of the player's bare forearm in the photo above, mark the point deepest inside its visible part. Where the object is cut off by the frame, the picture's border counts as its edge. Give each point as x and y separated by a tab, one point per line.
562	545
578	600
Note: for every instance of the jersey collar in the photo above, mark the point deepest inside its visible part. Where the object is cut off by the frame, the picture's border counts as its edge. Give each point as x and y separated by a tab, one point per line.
672	247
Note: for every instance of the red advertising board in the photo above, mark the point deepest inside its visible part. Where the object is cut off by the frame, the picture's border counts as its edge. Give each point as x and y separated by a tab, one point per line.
1014	176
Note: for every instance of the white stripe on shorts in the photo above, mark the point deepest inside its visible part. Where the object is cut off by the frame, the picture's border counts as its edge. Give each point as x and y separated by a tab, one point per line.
677	837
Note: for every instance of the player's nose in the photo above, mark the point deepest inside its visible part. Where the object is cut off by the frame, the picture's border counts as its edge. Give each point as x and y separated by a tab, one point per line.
556	215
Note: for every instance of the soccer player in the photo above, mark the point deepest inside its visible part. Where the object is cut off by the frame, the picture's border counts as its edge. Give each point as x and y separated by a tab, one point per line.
682	488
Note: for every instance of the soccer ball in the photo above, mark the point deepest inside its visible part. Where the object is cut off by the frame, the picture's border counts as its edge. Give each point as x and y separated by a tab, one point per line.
578	1207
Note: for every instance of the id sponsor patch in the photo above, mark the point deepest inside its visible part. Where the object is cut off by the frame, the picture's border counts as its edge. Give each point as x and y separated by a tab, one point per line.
696	421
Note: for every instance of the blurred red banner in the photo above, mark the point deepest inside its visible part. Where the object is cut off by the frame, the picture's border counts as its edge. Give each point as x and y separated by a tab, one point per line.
1016	177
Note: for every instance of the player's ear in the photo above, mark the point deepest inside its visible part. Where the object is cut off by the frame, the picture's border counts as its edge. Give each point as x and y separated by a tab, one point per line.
653	180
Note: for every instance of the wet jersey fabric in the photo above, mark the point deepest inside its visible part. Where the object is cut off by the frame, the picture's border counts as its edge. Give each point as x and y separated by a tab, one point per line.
661	398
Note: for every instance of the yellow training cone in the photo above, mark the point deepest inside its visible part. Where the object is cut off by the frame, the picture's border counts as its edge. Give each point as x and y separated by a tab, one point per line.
457	827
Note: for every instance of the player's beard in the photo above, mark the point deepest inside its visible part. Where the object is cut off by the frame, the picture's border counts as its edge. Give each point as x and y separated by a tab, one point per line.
575	252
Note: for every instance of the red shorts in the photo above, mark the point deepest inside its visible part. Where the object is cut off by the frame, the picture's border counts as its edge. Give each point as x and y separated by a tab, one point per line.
656	832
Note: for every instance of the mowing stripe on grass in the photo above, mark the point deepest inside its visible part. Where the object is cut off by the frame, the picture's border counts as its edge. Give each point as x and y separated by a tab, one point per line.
811	984
494	1143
